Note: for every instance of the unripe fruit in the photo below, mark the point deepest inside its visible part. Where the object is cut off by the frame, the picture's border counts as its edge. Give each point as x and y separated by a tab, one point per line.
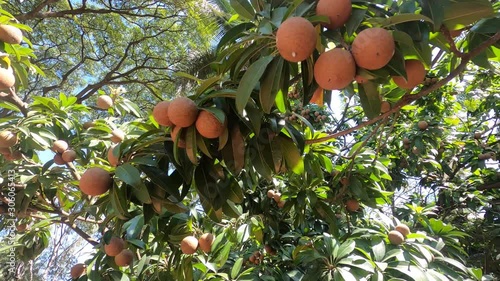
7	78
117	135
334	69
115	246
124	258
60	146
296	39
395	237
104	102
415	73
77	270
373	48
403	229
352	205
58	159
95	181
182	112
160	113
208	125
7	139
205	242
338	11
423	125
189	245
112	159
69	156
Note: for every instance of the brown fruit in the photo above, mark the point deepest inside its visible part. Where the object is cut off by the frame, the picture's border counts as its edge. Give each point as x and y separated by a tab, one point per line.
296	39
415	72
205	242
385	106
117	135
60	146
115	246
58	159
124	258
10	34
112	159
69	156
14	156
423	125
344	181
352	205
21	227
4	151
338	11
373	48
406	141
160	113
189	245
478	136
8	139
269	250
277	197
7	78
281	204
395	237
182	112
208	125
334	69
403	229
77	270
484	156
455	33
88	124
270	193
95	181
104	102
182	140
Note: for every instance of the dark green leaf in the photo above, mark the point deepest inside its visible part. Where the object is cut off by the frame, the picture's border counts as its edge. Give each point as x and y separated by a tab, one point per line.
249	81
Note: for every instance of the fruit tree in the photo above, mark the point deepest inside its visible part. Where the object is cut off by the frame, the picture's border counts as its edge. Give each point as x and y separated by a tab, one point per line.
329	140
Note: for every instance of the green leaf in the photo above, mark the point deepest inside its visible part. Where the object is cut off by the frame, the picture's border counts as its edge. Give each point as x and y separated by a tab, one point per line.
191	147
234	33
236	268
292	156
356	18
270	85
459	14
132	176
119	202
434	9
370	99
249	81
243	8
133	227
345	249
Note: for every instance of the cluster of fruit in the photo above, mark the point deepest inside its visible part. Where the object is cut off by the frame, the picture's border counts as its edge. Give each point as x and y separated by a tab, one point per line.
399	234
11	35
276	196
373	48
190	244
182	113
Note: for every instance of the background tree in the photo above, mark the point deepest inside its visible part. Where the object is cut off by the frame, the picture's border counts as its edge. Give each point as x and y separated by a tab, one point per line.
399	181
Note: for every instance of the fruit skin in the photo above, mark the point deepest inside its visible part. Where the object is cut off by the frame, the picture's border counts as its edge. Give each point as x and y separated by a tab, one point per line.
395	237
189	245
8	139
115	246
208	125
160	113
270	193
352	205
117	136
182	112
373	48
77	270
69	156
478	136
95	181
403	229
423	125
415	71
58	159
60	146
182	141
406	141
385	106
334	69
112	159
104	102
21	227
338	11
296	39
7	78
10	34
88	124
124	258
205	242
